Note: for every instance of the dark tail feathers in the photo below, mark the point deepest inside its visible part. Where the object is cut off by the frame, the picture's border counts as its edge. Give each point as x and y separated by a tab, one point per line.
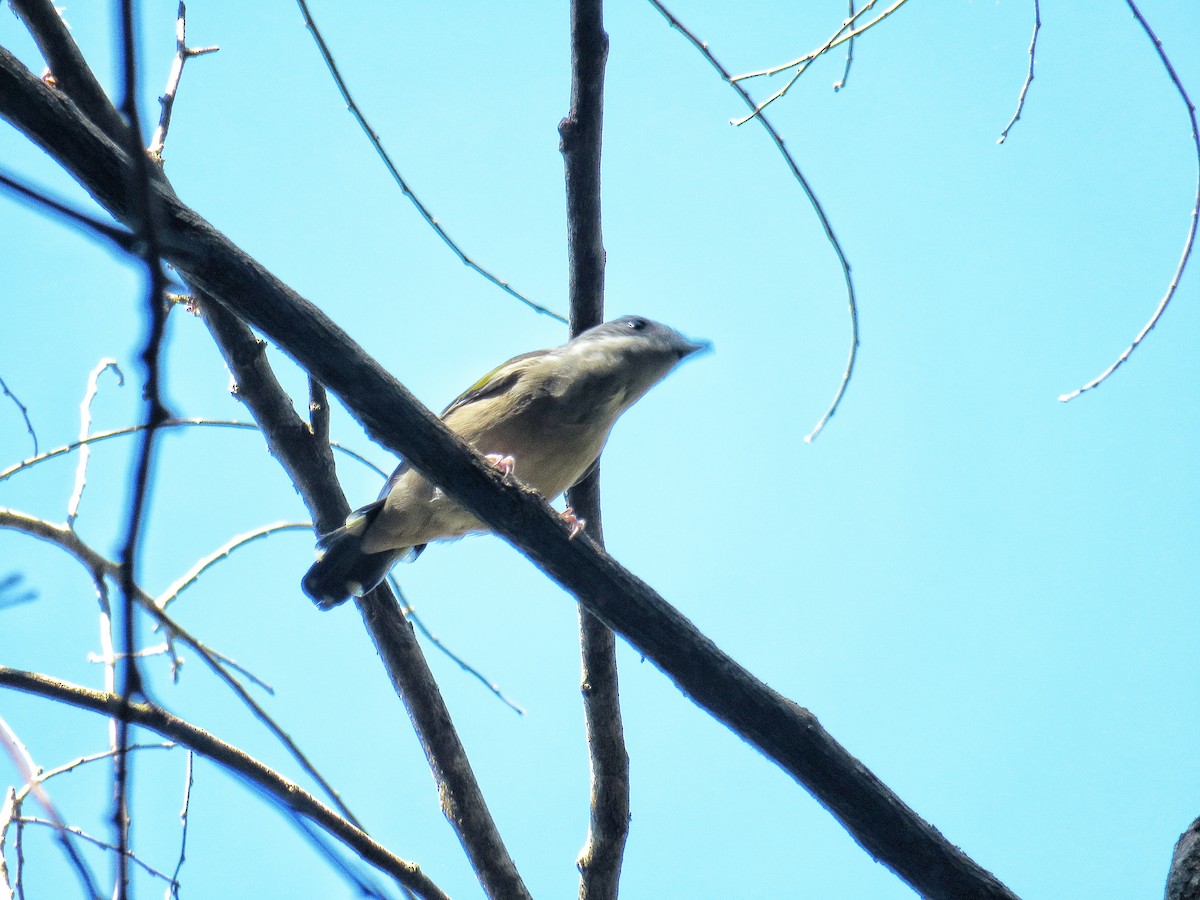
343	570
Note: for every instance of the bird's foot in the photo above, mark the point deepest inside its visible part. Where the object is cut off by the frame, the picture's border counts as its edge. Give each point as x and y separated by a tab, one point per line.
503	462
573	523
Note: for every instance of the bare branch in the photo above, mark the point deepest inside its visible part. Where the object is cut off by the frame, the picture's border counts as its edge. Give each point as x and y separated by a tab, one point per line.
1037	26
188	781
1188	242
282	791
100	567
373	137
826	225
167	101
845	33
78	832
24	414
85	425
71	72
581	134
117	236
9	583
410	613
235	543
841	82
143	222
34	778
788	734
309	464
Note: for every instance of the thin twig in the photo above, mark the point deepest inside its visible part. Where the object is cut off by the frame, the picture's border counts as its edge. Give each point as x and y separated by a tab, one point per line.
8	583
841	36
170	423
85	425
373	137
104	845
110	233
841	82
204	563
8	814
167	101
34	777
309	464
1191	235
777	140
363	884
24	414
410	613
188	780
1037	26
34	783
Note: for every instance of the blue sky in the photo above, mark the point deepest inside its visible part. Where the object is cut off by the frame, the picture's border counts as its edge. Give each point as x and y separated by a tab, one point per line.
987	596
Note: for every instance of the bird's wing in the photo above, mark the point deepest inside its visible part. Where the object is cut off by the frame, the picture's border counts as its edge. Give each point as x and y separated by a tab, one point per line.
499	379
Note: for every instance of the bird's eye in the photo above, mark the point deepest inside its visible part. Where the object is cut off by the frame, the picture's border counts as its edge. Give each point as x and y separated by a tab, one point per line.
635	323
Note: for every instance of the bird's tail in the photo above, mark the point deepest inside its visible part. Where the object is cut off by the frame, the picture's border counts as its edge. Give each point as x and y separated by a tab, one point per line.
342	568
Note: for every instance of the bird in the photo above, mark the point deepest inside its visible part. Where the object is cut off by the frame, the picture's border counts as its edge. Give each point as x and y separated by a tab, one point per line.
542	418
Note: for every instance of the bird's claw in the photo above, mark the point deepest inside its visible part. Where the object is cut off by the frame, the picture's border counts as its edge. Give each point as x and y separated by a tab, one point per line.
573	523
505	463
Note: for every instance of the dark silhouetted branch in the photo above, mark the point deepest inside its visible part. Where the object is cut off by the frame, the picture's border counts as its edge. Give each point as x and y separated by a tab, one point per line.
786	732
581	134
280	790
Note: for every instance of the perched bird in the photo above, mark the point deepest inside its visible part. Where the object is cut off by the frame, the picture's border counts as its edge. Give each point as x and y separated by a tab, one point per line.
542	417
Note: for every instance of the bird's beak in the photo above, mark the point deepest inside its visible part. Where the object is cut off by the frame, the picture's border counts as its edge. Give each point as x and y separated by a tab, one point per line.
694	347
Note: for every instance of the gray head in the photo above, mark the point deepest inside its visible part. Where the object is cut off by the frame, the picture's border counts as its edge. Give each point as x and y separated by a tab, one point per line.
638	335
631	351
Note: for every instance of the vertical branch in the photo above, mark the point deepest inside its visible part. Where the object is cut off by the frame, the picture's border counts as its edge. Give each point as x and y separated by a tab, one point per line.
142	218
85	428
581	134
167	101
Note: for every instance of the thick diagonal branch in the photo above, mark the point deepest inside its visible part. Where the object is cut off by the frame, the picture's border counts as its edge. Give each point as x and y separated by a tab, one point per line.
786	732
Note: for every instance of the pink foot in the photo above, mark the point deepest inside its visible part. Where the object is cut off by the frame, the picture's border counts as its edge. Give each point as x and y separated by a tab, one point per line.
506	464
573	522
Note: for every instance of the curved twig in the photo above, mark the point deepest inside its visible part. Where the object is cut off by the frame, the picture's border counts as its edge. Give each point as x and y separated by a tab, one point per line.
373	137
235	543
826	225
1189	241
1037	26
